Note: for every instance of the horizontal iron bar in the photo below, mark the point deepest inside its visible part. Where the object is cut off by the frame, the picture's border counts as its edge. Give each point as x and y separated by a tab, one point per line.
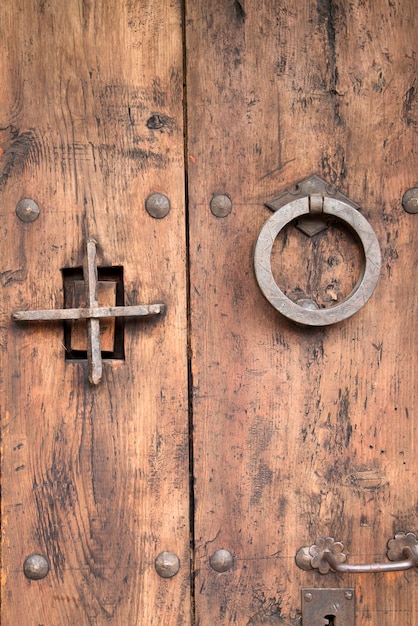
88	313
411	561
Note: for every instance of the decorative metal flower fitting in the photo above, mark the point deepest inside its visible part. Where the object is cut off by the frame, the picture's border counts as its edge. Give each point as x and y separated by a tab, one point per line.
321	546
402	545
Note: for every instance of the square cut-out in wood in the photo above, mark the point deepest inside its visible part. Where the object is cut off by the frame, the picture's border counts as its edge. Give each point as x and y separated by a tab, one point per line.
110	293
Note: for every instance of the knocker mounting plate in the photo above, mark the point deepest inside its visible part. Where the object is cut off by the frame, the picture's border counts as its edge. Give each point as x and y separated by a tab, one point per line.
313	201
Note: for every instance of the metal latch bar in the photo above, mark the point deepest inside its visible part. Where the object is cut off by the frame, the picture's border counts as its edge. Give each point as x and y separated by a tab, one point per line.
92	313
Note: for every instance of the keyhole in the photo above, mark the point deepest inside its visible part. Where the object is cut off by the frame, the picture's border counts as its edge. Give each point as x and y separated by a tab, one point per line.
330	620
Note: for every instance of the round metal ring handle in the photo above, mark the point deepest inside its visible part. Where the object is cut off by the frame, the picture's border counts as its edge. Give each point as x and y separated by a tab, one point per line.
361	292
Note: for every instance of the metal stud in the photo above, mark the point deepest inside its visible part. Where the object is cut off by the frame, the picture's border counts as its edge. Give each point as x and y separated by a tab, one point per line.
307	303
304	558
167	564
157	205
221	205
221	561
410	200
27	210
36	566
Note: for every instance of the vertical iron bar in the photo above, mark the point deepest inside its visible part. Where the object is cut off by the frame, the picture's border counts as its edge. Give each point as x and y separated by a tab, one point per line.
94	354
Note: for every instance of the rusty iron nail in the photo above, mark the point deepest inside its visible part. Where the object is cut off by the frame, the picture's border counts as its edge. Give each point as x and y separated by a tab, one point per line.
308	597
221	205
167	564
36	566
157	205
410	200
27	210
221	561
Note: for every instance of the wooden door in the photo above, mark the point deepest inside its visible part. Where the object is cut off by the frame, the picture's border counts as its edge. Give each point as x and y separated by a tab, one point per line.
295	433
95	476
300	432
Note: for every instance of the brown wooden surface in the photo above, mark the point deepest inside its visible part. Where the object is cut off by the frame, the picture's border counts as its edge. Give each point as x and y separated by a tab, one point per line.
301	433
95	478
298	433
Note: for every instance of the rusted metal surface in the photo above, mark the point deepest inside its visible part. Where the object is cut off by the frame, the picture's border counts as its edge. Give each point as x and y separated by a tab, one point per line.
326	555
337	606
92	313
355	222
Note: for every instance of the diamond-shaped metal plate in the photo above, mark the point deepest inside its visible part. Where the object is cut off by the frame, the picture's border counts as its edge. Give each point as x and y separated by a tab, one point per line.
311	226
323	607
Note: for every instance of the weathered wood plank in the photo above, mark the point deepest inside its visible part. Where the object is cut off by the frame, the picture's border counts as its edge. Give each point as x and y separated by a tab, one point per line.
94	478
301	433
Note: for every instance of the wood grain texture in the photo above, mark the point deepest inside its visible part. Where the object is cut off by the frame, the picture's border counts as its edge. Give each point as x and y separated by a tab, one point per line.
95	479
301	433
298	433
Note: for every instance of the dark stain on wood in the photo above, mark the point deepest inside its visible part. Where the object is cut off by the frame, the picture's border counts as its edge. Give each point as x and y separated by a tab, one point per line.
410	106
368	479
161	122
48	516
270	610
12	276
262	478
327	10
333	166
239	11
344	426
18	150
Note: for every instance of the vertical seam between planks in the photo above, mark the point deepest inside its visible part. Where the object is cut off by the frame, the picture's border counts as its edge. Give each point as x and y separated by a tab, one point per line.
188	313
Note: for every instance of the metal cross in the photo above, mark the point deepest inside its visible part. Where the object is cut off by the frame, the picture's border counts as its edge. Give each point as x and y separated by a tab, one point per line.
92	313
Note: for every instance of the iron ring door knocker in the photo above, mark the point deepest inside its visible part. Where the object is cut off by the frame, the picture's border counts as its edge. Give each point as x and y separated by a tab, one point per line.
325	205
